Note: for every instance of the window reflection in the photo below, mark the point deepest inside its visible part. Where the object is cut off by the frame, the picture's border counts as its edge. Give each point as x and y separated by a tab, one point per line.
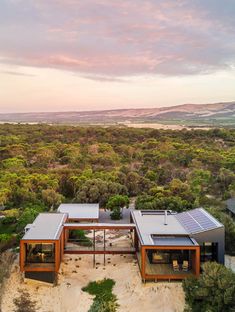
40	253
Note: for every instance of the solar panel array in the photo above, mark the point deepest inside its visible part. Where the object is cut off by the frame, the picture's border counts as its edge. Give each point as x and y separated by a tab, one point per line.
196	220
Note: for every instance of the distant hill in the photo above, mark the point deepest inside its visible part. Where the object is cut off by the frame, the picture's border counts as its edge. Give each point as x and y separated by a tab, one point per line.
186	114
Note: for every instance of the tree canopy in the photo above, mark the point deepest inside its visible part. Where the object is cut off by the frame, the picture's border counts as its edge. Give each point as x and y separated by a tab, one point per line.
45	165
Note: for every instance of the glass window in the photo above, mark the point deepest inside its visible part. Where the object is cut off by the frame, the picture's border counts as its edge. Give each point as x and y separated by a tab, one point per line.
209	251
40	253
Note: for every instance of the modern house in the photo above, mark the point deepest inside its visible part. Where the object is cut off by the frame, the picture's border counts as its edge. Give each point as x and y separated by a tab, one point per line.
167	245
173	246
42	247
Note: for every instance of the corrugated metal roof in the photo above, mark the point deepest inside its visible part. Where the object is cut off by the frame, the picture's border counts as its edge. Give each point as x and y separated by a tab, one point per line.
46	226
80	211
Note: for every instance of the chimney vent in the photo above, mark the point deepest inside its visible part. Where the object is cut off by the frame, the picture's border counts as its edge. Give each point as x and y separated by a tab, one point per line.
165	218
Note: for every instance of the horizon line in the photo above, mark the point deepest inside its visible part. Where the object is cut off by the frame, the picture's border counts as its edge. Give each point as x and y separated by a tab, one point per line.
114	109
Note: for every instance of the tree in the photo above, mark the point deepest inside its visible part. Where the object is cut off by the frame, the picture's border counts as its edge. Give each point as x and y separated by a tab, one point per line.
28	216
51	198
162	201
214	290
98	191
13	164
199	180
115	204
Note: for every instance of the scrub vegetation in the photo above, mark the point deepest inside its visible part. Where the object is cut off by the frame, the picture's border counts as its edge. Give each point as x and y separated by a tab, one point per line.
24	303
214	291
42	166
105	300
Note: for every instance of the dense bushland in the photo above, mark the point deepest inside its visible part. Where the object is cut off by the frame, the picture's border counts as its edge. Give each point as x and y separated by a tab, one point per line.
42	165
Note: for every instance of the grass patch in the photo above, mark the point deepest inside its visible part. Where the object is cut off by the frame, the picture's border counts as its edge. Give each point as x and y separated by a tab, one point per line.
7	228
80	237
105	300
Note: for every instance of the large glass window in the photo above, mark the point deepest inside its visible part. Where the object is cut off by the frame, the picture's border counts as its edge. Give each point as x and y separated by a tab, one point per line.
209	251
40	253
164	262
167	256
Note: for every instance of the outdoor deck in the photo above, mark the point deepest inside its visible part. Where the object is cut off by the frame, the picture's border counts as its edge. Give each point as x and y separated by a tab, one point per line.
163	269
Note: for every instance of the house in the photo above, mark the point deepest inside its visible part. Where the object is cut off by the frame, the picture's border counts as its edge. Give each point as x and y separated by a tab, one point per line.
42	247
173	246
167	245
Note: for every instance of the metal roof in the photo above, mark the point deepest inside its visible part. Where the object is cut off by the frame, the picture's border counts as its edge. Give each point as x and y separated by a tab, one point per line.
94	225
173	241
153	224
182	224
80	211
197	220
231	205
47	226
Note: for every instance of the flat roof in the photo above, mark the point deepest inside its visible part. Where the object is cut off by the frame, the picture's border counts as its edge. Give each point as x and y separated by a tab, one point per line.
80	211
94	225
173	241
47	226
154	224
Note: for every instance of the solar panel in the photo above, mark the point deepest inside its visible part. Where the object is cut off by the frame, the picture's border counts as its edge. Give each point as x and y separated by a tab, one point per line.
205	222
196	220
188	222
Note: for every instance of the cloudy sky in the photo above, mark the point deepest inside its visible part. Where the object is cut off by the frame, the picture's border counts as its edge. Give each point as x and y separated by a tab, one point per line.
58	55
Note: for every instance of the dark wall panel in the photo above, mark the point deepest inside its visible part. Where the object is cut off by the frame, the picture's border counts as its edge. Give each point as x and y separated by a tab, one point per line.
48	277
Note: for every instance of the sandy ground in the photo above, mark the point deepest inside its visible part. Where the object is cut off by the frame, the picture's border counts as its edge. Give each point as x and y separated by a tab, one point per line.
162	126
76	272
230	262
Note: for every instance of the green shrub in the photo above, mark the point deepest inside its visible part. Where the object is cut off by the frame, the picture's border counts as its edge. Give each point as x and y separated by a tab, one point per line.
5	238
7	241
105	300
9	220
80	235
116	214
214	291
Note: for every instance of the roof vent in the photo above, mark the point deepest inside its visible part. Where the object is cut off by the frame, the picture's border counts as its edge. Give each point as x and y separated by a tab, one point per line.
165	218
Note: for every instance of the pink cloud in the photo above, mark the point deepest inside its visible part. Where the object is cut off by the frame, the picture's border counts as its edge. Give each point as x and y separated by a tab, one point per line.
118	38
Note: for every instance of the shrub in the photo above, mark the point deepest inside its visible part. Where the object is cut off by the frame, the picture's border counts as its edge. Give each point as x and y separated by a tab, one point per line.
4	238
116	214
214	291
79	235
24	303
7	241
9	220
105	300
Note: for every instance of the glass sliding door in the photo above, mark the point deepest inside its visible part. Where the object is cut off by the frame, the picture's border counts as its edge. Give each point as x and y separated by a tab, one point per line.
40	253
168	261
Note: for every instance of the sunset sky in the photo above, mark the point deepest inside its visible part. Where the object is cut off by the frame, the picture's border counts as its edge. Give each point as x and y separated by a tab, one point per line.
63	55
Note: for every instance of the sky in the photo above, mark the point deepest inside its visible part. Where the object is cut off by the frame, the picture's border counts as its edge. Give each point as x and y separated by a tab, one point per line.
74	55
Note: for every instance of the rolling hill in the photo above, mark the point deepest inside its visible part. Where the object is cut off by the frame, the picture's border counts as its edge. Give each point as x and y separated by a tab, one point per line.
186	114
